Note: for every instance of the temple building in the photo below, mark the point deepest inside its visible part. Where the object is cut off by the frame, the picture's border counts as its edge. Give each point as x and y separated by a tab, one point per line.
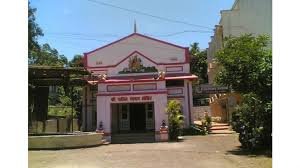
132	80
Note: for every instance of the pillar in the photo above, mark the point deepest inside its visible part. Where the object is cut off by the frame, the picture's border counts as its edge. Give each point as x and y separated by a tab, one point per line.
160	104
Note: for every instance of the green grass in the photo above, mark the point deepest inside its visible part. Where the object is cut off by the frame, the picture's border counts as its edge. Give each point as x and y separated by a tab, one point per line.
60	111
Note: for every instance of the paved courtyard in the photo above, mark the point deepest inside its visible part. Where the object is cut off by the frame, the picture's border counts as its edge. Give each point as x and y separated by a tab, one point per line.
196	151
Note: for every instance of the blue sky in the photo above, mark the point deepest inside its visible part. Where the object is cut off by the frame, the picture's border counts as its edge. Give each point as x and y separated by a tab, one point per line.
77	26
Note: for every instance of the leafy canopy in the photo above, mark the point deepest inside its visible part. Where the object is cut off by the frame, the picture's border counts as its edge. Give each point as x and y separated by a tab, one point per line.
246	65
37	54
198	62
34	31
48	56
77	61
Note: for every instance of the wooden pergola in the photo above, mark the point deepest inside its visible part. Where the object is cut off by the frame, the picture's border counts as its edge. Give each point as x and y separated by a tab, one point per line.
53	76
39	80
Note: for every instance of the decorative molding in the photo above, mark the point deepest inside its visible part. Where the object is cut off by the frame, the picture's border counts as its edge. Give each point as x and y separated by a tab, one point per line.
171	69
107	88
169	89
131	81
175	97
153	84
131	93
135	66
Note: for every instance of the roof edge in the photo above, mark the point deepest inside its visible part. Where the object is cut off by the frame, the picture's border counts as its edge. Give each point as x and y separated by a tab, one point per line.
130	35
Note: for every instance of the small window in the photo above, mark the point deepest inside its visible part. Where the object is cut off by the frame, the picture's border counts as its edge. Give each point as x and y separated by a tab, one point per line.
124	115
124	108
174	83
200	101
150	114
150	106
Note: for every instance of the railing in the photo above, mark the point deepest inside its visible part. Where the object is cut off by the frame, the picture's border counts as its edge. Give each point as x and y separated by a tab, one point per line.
59	125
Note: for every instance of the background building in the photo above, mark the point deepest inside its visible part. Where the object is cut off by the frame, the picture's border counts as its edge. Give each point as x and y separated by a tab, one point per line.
245	16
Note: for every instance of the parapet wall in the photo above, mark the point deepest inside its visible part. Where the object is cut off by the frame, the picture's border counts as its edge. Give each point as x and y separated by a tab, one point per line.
65	141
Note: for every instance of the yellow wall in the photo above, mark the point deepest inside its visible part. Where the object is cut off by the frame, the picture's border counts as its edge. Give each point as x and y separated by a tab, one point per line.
221	108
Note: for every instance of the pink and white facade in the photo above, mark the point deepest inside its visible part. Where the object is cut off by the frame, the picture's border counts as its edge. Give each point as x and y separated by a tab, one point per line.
135	78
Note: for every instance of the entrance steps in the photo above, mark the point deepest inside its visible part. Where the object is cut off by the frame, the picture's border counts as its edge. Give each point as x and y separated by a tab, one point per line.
220	128
132	138
105	142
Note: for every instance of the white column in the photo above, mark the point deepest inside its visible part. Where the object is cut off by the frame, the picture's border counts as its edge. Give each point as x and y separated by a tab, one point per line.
191	101
186	104
160	104
104	114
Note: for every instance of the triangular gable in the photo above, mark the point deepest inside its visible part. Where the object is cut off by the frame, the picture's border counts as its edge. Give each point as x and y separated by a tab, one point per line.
140	54
151	38
157	51
136	62
127	57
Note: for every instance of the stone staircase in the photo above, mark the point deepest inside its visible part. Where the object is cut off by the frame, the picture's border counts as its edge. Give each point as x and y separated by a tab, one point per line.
220	128
132	138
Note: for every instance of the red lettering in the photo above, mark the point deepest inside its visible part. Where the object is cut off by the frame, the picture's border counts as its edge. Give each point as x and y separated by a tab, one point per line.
122	99
131	98
135	98
146	98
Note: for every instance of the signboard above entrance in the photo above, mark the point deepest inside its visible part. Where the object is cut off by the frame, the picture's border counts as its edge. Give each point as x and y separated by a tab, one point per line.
210	89
125	98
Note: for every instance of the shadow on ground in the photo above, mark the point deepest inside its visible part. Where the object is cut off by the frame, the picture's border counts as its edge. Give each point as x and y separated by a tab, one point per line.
251	153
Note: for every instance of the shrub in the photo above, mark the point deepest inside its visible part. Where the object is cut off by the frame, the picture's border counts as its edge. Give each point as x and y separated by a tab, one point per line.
195	130
206	124
207	119
216	119
253	121
175	119
202	129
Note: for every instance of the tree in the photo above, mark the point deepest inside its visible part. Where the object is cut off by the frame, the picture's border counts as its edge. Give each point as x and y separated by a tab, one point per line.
37	54
246	67
77	61
49	56
253	121
34	31
198	62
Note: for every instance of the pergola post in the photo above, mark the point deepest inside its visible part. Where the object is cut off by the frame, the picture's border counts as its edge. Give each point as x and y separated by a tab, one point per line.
72	95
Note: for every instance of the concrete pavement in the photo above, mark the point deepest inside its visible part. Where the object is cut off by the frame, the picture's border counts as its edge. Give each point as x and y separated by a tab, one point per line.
194	151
